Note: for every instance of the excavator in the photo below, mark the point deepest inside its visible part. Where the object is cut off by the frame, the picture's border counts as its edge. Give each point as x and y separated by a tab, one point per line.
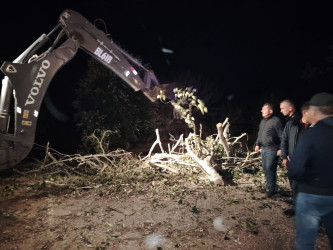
27	79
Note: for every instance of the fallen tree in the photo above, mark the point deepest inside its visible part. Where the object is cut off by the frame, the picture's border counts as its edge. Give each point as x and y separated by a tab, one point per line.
202	152
189	154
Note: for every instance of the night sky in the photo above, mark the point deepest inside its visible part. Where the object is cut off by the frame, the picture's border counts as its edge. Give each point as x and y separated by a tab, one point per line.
248	52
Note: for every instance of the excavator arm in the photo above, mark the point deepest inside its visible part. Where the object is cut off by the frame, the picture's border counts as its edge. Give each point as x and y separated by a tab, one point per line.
27	79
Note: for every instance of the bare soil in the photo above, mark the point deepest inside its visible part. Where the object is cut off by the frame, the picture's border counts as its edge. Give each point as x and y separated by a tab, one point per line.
37	212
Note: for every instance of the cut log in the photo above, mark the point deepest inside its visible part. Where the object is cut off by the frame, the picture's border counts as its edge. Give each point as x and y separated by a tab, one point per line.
205	165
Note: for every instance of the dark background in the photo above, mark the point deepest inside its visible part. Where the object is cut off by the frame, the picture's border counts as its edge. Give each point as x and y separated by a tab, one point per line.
245	52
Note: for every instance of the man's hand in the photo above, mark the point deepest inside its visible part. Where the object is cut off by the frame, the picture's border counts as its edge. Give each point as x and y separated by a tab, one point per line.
285	162
278	153
257	149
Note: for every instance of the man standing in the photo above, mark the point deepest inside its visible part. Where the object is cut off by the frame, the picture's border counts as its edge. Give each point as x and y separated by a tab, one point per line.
269	137
289	139
312	166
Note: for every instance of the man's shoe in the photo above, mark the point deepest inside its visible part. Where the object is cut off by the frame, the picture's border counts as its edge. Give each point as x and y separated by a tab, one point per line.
289	212
270	194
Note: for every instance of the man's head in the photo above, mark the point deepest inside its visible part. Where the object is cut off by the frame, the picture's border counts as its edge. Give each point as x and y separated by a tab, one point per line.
321	106
287	107
305	113
267	110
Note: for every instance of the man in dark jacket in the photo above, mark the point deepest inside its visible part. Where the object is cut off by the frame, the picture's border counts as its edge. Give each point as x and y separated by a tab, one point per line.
268	142
289	139
311	166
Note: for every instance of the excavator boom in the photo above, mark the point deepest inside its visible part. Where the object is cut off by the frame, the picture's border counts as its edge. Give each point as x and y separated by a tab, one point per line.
27	79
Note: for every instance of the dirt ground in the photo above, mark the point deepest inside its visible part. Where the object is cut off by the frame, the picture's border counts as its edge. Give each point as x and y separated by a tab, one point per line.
41	213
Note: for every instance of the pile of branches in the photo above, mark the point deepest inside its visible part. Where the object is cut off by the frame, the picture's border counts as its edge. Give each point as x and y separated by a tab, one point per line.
216	152
185	155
